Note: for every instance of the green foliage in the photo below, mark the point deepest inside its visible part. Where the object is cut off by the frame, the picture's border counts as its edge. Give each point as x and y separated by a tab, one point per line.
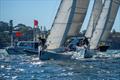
27	32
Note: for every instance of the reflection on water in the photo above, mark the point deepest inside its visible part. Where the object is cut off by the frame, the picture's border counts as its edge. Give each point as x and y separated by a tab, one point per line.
28	67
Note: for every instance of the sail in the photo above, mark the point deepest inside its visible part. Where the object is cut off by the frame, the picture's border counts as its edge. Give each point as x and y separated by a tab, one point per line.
103	1
97	8
100	25
60	24
79	16
66	17
113	12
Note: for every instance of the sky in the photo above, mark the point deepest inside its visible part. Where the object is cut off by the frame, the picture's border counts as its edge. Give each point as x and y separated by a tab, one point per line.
25	11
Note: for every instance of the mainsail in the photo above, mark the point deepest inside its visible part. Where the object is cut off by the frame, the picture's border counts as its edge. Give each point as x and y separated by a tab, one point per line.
68	17
79	16
111	19
100	25
60	24
96	10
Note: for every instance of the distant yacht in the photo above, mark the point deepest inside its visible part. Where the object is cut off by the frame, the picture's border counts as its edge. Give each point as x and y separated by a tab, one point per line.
24	47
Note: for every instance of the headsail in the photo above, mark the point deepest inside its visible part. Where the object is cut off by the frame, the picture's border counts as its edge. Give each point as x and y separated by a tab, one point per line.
110	21
97	8
66	19
79	16
100	25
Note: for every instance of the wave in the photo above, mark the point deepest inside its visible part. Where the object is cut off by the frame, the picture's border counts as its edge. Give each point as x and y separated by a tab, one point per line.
97	55
3	53
108	54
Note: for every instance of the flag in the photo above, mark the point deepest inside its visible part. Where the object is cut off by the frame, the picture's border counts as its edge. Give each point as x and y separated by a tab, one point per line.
35	23
18	34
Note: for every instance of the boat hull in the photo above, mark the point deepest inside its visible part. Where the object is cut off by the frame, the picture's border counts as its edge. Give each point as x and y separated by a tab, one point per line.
17	50
49	55
14	50
103	48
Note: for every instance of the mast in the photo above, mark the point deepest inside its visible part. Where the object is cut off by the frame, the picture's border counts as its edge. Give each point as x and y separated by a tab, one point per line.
100	25
11	32
79	16
113	12
96	10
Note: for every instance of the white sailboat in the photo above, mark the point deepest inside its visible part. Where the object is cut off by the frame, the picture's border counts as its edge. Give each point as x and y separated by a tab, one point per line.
100	16
66	23
94	19
104	25
70	15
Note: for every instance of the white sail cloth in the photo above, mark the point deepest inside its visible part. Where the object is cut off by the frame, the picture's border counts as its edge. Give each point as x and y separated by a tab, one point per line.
79	16
110	21
96	10
68	20
100	25
58	30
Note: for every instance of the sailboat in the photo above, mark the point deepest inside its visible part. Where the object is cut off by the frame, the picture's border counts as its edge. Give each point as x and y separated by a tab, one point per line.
62	28
104	25
110	21
68	21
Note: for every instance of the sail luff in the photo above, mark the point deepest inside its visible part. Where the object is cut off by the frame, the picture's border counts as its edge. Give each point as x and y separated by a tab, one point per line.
56	13
100	25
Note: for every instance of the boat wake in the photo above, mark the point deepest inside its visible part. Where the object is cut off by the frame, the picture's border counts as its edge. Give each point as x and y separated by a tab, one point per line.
3	53
78	55
108	54
98	55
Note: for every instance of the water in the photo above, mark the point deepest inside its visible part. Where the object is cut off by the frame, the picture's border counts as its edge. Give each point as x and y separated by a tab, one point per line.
28	67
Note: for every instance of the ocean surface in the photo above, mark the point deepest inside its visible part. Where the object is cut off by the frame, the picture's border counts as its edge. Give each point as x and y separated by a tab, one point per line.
104	66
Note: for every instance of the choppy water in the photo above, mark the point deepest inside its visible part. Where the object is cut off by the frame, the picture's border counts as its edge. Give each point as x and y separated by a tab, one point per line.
28	67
